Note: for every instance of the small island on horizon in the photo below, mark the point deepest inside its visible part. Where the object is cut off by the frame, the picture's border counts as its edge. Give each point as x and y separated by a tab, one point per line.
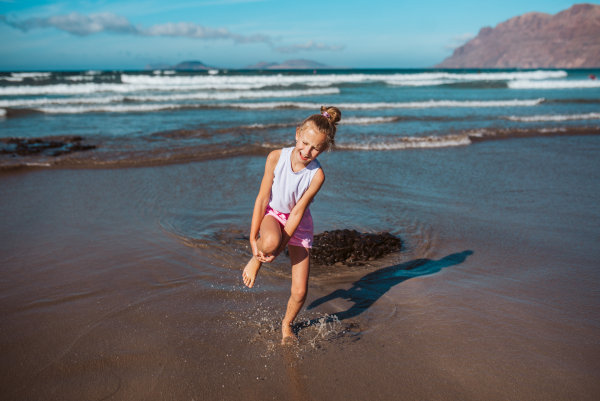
298	64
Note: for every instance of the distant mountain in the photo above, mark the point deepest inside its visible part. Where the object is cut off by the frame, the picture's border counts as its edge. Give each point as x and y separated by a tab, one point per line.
262	65
288	65
183	66
569	39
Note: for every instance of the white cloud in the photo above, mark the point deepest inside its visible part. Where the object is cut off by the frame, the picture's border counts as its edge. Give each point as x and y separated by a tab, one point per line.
459	40
83	25
308	46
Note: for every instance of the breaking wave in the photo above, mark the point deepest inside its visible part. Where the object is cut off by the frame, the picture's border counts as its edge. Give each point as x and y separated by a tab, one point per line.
368	120
464	138
558	84
392	105
564	117
31	74
103	105
259	81
166	98
119	108
409	143
12	79
344	121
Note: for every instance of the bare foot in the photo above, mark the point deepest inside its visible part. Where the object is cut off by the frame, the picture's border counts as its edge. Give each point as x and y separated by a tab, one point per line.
250	272
288	335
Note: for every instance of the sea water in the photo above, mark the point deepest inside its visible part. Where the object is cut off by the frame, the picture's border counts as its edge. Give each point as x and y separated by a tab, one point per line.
138	118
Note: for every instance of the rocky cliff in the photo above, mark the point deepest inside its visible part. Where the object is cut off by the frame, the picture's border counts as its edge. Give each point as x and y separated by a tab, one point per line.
569	39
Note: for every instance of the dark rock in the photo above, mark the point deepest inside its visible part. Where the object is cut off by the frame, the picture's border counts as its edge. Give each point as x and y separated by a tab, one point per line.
34	146
351	247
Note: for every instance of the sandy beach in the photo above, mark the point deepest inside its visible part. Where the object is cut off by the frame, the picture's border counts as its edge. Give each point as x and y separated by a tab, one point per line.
125	283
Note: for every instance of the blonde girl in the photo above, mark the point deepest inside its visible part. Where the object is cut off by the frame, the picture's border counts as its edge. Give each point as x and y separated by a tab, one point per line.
293	176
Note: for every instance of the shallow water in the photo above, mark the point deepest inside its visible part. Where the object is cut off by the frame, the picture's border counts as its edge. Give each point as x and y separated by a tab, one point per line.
126	282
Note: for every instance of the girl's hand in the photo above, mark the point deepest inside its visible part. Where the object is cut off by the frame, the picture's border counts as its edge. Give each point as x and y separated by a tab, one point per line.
266	259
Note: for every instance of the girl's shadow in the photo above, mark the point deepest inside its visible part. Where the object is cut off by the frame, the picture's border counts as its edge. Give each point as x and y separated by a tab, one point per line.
366	291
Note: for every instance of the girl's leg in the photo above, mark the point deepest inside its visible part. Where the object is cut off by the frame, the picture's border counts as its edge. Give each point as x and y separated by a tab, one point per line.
299	257
270	238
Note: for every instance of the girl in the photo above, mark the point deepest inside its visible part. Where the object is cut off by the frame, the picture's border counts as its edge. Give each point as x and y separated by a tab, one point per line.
293	176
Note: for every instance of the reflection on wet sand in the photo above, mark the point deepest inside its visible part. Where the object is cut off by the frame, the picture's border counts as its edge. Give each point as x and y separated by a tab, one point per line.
293	367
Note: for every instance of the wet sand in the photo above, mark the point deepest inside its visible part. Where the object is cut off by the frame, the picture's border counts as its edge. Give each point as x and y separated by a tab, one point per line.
125	283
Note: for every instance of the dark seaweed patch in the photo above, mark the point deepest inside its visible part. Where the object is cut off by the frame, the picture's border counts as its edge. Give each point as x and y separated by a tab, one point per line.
351	247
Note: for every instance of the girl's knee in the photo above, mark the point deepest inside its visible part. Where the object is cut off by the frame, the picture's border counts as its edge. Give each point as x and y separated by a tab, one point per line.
299	293
270	243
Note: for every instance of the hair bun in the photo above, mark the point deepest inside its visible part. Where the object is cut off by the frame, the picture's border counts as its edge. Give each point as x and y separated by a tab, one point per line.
335	115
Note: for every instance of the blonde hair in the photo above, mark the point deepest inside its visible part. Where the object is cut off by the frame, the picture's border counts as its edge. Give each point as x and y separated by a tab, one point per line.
325	125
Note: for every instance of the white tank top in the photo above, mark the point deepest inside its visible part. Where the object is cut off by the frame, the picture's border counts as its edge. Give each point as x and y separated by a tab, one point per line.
288	186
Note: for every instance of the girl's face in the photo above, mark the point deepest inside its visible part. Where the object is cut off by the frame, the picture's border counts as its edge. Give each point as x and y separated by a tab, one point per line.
309	144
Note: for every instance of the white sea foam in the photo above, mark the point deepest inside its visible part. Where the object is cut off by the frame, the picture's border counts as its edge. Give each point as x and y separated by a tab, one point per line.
167	98
368	120
402	105
31	74
86	105
236	95
169	81
57	101
93	72
279	125
12	79
90	88
79	78
260	81
66	89
410	143
557	84
554	117
423	82
121	108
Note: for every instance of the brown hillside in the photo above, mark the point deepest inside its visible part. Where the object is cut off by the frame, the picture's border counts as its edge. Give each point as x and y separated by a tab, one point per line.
569	39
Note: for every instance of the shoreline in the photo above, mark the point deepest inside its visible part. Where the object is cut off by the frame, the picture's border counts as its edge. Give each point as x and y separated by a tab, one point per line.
483	135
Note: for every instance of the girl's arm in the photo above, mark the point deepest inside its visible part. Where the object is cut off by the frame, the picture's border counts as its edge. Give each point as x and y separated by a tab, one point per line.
262	200
298	211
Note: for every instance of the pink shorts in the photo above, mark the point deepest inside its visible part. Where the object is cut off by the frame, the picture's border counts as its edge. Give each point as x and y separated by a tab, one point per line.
303	236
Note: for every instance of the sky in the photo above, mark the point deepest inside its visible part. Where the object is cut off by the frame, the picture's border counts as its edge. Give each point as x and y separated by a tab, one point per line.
128	35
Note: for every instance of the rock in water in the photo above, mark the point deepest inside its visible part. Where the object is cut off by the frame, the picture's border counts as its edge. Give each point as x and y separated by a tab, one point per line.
351	247
33	146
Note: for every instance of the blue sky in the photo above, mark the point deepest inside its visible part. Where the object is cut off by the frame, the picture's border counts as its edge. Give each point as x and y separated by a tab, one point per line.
124	34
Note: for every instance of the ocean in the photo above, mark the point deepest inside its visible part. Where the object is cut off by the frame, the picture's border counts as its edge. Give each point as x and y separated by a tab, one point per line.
121	263
167	116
